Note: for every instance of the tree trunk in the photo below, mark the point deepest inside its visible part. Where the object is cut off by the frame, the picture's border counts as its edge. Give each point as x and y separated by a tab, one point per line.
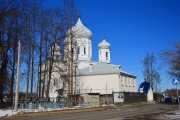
28	71
40	68
50	70
3	77
13	69
71	70
45	68
32	68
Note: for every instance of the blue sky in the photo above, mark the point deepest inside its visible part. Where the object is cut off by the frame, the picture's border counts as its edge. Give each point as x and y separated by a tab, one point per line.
133	28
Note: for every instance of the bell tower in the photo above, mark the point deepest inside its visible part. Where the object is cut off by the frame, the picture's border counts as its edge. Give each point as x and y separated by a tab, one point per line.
104	51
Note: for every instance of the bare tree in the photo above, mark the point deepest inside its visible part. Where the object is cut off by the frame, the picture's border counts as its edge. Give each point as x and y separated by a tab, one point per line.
22	20
150	70
8	37
61	21
29	20
172	59
42	24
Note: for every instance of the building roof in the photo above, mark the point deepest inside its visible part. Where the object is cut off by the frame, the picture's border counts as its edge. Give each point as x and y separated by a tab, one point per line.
98	69
127	74
101	68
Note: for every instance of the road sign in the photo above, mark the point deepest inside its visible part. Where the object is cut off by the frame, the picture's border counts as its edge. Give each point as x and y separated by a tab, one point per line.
176	81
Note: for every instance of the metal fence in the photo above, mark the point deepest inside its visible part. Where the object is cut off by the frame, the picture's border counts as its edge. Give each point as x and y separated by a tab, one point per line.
41	103
130	97
158	97
86	100
50	103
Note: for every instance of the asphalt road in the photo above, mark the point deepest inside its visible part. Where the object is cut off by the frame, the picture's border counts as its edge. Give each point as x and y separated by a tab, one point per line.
127	113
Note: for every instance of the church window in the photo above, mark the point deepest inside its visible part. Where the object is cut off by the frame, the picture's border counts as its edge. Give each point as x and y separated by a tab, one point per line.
126	81
133	82
129	82
84	50
54	82
89	51
106	55
78	50
122	80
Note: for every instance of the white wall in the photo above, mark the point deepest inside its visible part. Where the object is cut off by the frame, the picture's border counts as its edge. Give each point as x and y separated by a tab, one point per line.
56	81
97	83
127	84
102	55
84	42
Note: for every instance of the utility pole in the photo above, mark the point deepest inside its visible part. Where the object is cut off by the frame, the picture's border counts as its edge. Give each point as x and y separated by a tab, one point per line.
71	66
75	84
17	78
177	97
176	82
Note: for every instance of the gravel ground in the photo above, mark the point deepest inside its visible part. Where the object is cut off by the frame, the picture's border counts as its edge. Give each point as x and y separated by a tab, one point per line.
170	115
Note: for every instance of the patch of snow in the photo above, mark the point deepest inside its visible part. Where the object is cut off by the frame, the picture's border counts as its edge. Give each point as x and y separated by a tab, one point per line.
4	113
172	115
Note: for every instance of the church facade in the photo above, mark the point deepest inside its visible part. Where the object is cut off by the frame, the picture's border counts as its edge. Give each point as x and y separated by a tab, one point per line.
100	76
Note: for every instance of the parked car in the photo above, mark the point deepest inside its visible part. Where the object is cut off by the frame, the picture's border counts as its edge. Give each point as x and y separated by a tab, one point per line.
177	100
168	100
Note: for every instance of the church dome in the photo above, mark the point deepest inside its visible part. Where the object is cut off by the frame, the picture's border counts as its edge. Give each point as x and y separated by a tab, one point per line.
104	44
82	31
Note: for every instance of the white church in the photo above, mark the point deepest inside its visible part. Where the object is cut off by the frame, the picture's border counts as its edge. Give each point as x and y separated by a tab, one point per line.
100	76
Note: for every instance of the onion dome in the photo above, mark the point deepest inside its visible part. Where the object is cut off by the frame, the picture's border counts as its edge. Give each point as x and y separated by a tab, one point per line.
81	31
104	44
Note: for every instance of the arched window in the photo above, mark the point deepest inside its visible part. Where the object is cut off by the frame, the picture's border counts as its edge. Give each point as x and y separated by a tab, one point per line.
89	51
106	55
125	81
129	82
133	82
122	80
78	50
54	82
84	50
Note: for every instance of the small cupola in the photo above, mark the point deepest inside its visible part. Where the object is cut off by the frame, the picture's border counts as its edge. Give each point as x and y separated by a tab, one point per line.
104	45
104	51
